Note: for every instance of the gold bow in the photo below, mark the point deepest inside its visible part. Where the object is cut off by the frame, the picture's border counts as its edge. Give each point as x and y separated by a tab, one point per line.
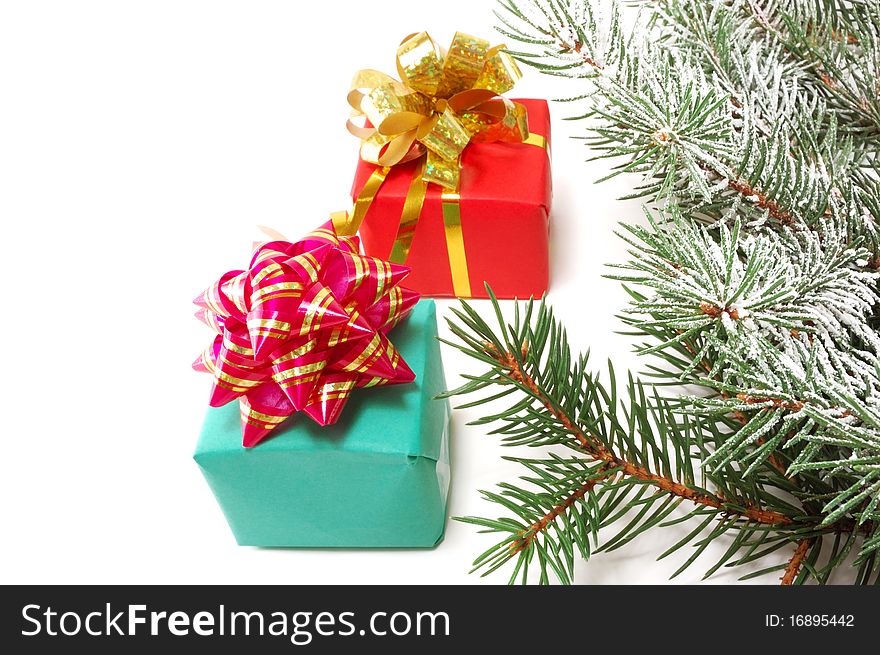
443	102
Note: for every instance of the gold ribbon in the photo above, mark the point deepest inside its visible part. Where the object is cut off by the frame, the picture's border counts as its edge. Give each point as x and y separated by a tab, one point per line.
442	102
412	209
461	283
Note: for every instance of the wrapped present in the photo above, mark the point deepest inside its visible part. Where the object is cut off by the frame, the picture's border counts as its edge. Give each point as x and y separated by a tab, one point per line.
453	178
377	477
305	457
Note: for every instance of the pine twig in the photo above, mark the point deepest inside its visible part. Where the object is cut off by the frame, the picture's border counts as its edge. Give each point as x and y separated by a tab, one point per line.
754	195
739	416
591	445
576	47
527	537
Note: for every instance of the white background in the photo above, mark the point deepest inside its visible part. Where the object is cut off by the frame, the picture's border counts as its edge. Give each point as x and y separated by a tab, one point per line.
140	145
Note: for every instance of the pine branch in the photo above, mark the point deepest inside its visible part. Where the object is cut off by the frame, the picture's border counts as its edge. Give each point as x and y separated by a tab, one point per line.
773	459
623	454
757	280
700	104
638	458
595	448
837	45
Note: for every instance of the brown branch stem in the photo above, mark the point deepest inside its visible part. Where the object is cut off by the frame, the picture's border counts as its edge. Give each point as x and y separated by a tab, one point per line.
796	561
779	403
576	47
755	196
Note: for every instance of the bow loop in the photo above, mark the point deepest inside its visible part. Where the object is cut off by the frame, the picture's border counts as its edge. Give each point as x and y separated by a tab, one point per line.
402	121
464	64
500	73
420	64
472	99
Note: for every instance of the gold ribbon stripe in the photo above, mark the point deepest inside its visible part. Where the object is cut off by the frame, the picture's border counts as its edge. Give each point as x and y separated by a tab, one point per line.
451	203
536	140
409	219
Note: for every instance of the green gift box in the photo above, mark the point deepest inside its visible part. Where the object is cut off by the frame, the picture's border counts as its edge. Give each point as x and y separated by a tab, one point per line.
379	477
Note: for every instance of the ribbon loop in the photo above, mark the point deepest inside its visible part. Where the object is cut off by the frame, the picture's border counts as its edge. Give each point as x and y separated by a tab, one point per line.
420	63
500	74
464	64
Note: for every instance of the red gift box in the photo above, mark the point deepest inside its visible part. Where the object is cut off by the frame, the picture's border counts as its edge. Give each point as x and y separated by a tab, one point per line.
505	196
